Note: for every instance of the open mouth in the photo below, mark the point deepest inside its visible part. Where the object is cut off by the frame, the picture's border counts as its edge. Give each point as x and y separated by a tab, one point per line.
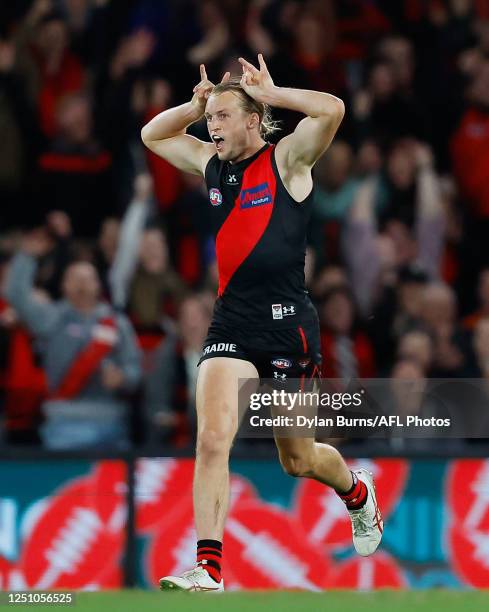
217	140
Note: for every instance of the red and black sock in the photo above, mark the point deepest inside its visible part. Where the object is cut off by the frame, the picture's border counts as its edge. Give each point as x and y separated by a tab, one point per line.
209	556
356	497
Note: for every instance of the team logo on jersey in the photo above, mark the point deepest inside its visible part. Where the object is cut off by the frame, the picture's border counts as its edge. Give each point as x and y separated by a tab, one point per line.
282	363
215	196
256	196
304	363
277	311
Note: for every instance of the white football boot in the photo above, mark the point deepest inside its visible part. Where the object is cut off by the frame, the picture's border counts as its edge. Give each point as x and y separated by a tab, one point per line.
196	579
367	524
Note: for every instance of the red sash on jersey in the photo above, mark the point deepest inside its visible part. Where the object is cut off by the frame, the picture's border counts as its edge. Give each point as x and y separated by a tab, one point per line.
246	224
104	337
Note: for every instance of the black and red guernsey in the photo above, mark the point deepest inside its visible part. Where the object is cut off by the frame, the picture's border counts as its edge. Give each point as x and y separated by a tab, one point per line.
260	233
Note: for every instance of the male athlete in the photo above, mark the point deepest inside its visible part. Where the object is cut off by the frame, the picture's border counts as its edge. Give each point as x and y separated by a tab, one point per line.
264	324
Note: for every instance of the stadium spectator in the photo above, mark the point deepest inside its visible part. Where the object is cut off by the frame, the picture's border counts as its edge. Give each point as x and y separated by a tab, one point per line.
155	288
168	181
54	71
142	279
411	219
335	192
105	251
369	159
347	352
438	312
216	35
22	380
75	170
407	384
89	355
314	45
169	388
470	144
417	346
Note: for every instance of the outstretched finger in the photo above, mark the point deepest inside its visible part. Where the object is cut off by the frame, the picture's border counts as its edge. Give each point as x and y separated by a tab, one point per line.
262	64
248	66
203	73
226	77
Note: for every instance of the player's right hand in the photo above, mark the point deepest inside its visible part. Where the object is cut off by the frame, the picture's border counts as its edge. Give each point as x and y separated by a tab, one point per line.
203	89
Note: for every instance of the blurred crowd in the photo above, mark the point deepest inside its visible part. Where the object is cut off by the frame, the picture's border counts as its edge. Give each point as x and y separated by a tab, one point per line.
107	261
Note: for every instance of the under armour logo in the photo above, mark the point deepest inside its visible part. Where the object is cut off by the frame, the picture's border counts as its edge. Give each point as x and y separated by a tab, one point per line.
290	310
279	376
231	179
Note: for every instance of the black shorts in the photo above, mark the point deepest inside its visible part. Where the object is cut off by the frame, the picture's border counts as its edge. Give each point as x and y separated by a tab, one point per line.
279	354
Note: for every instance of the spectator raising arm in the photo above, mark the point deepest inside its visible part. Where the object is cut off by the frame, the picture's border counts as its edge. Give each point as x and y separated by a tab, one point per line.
38	316
126	258
359	245
430	222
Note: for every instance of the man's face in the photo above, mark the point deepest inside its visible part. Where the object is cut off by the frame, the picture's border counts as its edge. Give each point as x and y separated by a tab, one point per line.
74	120
81	284
229	126
154	251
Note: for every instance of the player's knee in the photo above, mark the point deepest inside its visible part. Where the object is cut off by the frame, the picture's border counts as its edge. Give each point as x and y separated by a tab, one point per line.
213	442
297	466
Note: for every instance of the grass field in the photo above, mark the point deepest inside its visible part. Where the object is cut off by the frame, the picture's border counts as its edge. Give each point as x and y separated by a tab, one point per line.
336	601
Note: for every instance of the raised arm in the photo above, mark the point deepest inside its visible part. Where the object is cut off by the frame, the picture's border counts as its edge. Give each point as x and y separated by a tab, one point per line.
38	316
126	258
165	134
359	245
430	218
312	136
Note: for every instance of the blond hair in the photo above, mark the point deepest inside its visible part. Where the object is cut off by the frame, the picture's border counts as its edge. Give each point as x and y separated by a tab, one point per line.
249	105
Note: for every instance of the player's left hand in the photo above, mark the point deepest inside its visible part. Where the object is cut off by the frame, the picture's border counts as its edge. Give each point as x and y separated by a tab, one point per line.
257	83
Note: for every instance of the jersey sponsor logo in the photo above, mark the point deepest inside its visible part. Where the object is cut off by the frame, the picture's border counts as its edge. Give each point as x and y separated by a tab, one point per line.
282	363
215	196
231	179
277	311
256	196
220	348
288	311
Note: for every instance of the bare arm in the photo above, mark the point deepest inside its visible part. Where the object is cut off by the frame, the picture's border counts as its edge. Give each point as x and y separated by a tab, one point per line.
38	316
165	134
312	136
359	247
314	133
430	222
126	257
